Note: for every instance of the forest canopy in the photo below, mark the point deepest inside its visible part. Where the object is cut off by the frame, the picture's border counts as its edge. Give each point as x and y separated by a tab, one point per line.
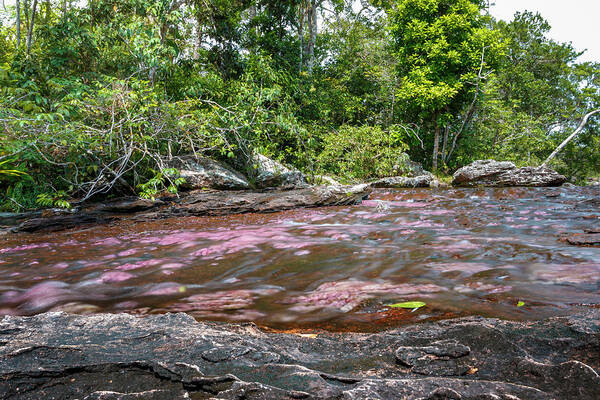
96	95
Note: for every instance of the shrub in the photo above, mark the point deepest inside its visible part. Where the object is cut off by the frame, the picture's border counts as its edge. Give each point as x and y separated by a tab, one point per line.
362	152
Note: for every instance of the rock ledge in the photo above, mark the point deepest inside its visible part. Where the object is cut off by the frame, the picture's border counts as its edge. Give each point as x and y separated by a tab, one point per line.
171	356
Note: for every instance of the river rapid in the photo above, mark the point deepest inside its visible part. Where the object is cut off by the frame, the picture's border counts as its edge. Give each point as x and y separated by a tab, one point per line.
490	252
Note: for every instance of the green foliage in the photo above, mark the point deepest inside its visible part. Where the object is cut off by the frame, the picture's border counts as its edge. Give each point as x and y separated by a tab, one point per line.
111	89
440	45
6	172
361	153
168	179
58	199
535	100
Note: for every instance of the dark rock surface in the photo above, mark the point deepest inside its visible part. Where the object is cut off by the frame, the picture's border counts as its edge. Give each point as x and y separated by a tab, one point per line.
421	181
199	203
12	219
171	356
202	172
504	173
585	239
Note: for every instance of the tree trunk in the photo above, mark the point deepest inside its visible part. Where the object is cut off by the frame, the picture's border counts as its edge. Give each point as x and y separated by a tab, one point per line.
436	144
18	23
31	24
445	143
252	14
26	14
571	136
301	17
198	44
312	27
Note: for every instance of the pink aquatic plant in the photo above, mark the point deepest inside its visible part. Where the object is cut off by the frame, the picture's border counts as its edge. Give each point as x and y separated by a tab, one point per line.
115	276
347	295
24	248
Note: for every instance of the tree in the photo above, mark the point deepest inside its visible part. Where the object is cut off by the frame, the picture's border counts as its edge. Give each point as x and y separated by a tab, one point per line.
439	45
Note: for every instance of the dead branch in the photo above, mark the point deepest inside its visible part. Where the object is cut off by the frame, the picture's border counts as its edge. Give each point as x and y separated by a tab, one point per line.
582	125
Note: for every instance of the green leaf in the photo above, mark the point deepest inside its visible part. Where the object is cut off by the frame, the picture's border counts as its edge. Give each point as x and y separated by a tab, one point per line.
520	303
408	304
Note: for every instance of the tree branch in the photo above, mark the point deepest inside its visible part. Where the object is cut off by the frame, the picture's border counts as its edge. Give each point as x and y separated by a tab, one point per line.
571	136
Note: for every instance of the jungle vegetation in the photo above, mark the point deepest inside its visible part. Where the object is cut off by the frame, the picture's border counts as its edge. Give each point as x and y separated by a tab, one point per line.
95	95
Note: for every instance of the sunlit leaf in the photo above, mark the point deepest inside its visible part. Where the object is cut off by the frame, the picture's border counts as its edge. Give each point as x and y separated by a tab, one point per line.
408	304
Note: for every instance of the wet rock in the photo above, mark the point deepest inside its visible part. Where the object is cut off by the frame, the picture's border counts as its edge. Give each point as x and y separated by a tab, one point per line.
200	202
421	181
12	219
129	205
584	239
61	222
171	356
220	203
504	173
440	358
202	172
270	174
590	203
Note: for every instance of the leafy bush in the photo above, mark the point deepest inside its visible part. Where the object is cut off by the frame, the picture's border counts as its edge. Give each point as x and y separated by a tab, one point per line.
362	152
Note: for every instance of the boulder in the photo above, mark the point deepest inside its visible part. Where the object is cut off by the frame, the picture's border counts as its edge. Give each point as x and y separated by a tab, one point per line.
272	174
202	172
119	356
504	173
421	181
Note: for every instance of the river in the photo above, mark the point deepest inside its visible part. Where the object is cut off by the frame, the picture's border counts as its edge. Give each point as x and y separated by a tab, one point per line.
490	252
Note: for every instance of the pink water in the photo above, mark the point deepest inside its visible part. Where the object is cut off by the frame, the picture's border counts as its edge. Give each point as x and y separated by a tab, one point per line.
461	251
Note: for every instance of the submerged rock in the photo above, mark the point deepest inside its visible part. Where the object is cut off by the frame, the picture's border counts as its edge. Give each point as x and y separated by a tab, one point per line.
202	172
270	173
585	239
505	173
171	356
421	181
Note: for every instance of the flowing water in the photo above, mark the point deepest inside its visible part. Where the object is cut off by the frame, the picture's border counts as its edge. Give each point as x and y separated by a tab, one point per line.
461	251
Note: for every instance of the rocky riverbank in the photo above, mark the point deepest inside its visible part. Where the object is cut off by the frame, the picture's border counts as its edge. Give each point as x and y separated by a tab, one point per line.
193	203
171	356
216	189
